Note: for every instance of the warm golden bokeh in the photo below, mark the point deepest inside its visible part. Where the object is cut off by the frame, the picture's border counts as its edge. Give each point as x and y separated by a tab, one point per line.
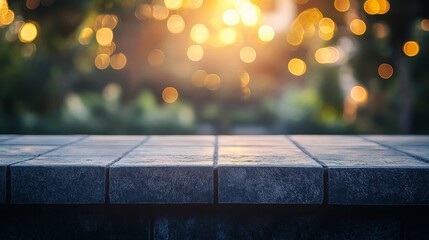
175	24
170	95
212	82
143	11
160	12
248	54
104	36
7	17
227	36
102	61
359	94
385	70
173	4
85	36
199	77
297	66
200	33
244	79
118	61
342	5
195	53
231	17
266	33
28	32
357	26
411	48
327	55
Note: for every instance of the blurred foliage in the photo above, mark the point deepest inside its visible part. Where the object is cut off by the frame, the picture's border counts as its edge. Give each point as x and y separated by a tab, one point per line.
56	89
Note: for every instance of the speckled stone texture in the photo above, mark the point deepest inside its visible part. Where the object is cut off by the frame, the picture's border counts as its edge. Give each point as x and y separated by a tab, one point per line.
170	169
361	172
53	180
266	170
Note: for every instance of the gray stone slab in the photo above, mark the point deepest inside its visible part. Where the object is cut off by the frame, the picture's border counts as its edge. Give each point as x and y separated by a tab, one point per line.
400	140
182	178
96	150
42	139
59	180
368	174
4	162
261	174
253	140
4	137
24	150
171	140
108	140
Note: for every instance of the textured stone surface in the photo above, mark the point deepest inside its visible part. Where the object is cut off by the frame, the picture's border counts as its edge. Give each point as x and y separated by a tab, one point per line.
111	140
272	174
4	162
163	174
367	173
42	140
181	141
59	180
415	145
102	150
24	150
254	140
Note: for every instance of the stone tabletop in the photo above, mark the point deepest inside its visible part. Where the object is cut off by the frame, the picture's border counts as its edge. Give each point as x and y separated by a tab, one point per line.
245	169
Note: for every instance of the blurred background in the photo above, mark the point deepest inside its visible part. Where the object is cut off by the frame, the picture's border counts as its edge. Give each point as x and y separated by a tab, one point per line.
214	66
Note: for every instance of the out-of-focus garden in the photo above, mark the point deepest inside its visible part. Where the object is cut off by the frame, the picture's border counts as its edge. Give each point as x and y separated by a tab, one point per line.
214	66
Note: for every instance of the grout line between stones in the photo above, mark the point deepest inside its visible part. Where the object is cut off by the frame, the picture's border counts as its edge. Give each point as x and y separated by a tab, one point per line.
215	171
325	169
107	170
397	150
8	168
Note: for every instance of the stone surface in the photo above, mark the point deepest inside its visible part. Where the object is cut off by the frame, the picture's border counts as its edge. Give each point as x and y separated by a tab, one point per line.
5	161
415	145
267	174
254	140
59	180
42	140
24	150
171	140
363	172
96	150
111	140
160	174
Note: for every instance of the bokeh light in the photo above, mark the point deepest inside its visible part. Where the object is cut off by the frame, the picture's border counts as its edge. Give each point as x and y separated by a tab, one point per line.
28	32
118	61
342	5
175	24
359	94
247	54
104	36
173	4
327	55
411	48
212	82
199	33
231	17
227	36
170	95
424	24
297	66
102	61
160	12
385	70
195	53
85	36
266	33
357	26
